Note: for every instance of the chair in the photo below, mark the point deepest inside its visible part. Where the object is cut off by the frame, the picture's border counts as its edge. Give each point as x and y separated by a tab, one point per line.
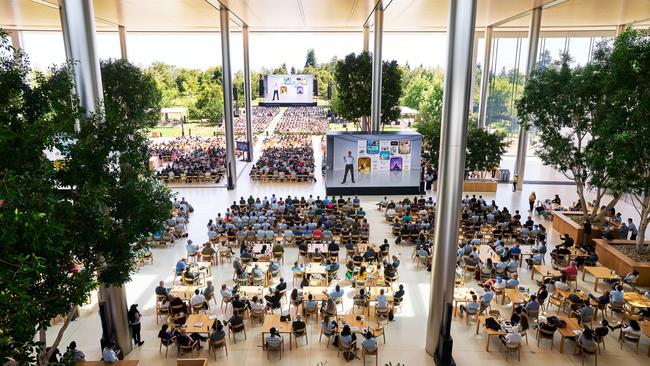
361	304
381	314
166	343
278	256
297	333
554	299
599	341
257	314
269	349
298	276
194	346
328	335
511	348
237	329
365	352
469	269
309	312
622	338
161	312
584	354
227	255
214	345
207	258
545	335
225	301
616	306
198	308
351	348
379	331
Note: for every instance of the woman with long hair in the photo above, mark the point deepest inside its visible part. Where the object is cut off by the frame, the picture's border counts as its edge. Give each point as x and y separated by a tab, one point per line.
134	322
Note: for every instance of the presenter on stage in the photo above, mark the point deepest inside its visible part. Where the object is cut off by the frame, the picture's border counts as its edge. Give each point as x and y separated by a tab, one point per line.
349	166
275	92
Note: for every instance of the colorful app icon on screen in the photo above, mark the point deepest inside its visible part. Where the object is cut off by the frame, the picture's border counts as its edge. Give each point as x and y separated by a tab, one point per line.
396	163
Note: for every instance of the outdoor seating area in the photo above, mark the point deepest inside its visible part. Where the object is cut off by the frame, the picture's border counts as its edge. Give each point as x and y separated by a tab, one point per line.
303	120
285	158
189	159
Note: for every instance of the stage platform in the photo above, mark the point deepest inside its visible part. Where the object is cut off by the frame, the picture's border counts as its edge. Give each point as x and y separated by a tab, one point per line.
286	104
382	183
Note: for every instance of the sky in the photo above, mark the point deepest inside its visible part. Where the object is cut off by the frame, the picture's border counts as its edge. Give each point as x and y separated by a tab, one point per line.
270	50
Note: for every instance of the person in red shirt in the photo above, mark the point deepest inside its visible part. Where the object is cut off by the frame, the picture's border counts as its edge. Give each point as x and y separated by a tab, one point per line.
570	271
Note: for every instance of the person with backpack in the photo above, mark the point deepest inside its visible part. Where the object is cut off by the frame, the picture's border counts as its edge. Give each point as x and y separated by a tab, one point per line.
134	322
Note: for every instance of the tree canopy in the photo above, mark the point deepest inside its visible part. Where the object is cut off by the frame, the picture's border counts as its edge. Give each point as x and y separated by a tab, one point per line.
310	60
62	224
353	77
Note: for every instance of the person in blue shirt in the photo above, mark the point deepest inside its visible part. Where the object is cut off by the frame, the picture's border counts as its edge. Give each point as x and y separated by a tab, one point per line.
337	293
617	295
486	299
513	282
180	266
516	250
472	307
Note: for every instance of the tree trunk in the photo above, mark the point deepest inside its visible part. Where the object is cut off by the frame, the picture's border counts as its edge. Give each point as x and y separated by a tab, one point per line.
580	189
609	206
44	356
643	225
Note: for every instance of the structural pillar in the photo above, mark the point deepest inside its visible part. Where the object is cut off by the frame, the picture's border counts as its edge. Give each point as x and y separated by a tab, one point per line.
375	102
453	142
366	38
78	24
16	38
231	161
122	32
474	61
485	79
531	61
247	96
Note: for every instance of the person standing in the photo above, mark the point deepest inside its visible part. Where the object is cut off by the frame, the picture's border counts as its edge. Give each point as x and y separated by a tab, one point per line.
531	201
349	166
134	322
631	227
429	180
275	92
515	180
586	232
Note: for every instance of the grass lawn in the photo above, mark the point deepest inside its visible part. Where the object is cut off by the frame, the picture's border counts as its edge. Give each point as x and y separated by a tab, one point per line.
194	128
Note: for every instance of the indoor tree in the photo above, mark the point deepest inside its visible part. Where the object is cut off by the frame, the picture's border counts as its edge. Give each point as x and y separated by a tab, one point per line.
563	105
353	77
625	69
62	224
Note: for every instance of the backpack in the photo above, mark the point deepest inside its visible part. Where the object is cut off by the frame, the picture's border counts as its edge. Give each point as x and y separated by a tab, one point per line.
575	299
491	323
391	316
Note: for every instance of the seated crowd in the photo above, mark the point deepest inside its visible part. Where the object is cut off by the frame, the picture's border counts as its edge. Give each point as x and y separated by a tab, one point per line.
285	157
304	120
261	118
189	159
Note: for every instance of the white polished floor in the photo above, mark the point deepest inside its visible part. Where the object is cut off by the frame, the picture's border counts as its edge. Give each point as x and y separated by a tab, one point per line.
405	336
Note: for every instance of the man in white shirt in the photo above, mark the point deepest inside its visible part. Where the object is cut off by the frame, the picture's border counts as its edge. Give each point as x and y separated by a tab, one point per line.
273	340
226	292
349	167
198	299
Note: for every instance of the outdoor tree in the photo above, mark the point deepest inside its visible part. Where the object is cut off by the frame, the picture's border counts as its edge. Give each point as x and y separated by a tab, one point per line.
484	149
209	105
430	105
562	104
293	70
626	75
310	60
353	77
415	91
69	226
165	77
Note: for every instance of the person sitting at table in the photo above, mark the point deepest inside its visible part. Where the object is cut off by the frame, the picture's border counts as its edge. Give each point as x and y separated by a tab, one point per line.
617	294
208	250
328	307
73	353
329	325
570	272
361	299
161	290
513	264
177	302
295	297
298	324
331	267
257	272
495	284
185	340
502	265
370	255
317	256
586	341
346	338
567	241
361	277
471	260
273	301
603	330
273	340
166	335
332	247
256	304
535	259
369	343
180	266
199	300
310	304
189	277
208	291
217	333
239	304
511	339
234	320
335	294
191	249
472	307
513	282
297	268
273	266
532	307
584	313
382	300
631	330
281	286
486	299
602	299
629	278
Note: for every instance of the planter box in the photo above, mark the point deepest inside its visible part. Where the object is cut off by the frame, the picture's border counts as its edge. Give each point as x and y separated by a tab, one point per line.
563	224
476	185
192	362
610	257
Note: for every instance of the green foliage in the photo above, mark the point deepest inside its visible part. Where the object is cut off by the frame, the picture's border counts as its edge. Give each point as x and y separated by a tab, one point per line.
353	77
281	70
484	149
324	76
110	199
165	77
310	60
430	106
209	105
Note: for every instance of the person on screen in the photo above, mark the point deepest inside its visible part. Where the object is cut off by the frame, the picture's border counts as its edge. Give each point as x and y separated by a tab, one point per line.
349	167
275	91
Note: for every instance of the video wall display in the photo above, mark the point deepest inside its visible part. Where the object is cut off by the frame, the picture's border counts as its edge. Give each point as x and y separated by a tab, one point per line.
378	155
289	88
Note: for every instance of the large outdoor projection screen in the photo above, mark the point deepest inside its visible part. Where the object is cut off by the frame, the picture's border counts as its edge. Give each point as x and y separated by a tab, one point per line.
384	163
289	89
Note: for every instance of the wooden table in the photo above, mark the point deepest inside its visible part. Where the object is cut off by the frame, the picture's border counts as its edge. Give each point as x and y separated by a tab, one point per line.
490	332
356	326
102	363
564	295
362	248
257	249
463	295
315	268
636	300
545	271
184	292
250	291
569	331
515	296
316	293
645	327
203	319
273	321
600	273
311	248
373	291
